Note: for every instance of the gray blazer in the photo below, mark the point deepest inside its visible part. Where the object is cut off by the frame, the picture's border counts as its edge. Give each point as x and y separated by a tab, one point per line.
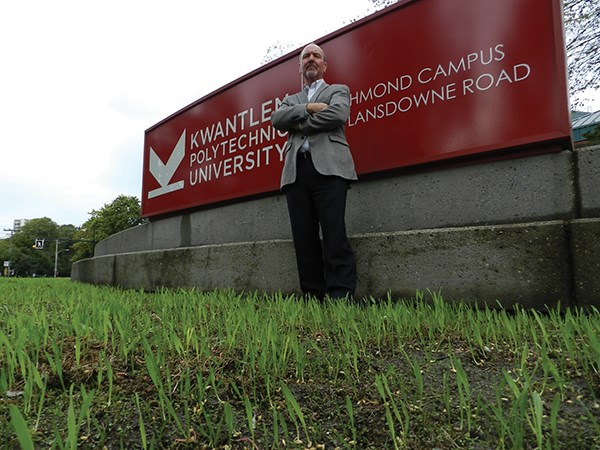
324	130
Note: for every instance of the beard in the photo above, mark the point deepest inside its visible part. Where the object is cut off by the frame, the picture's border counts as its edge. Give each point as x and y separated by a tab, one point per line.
311	73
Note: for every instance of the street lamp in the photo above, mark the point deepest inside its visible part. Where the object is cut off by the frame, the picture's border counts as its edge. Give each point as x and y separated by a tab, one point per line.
56	252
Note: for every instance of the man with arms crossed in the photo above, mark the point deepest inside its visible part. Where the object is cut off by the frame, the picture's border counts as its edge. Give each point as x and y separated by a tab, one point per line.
317	169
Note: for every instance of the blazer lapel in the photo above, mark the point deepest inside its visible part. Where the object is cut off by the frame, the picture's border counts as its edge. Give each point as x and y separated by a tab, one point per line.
302	96
321	89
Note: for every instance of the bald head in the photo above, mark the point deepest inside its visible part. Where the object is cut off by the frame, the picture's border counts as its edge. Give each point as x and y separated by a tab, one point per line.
313	47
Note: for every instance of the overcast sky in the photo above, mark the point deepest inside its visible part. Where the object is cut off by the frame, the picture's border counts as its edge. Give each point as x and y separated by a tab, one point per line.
81	81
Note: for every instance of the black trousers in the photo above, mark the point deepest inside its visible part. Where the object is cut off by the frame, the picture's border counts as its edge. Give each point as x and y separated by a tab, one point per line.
318	201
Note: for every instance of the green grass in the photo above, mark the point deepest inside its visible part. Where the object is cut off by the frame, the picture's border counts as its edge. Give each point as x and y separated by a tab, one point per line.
92	367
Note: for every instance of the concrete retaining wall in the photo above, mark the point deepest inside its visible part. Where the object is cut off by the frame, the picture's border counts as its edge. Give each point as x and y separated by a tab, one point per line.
521	230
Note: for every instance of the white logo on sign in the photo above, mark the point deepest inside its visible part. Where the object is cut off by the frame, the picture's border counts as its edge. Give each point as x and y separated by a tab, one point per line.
164	172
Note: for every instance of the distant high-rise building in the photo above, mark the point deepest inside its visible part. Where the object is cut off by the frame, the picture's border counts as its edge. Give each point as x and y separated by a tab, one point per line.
18	223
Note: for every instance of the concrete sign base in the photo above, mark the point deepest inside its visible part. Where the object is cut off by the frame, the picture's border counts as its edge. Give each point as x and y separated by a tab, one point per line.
521	230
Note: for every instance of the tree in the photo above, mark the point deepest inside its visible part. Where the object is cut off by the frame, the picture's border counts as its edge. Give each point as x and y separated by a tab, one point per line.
27	260
66	243
593	136
6	253
276	50
122	213
582	30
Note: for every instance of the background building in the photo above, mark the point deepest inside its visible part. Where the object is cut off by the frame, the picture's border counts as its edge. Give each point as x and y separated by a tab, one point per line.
18	223
583	123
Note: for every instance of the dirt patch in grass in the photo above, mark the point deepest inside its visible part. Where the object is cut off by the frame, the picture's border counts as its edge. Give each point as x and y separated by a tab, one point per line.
339	410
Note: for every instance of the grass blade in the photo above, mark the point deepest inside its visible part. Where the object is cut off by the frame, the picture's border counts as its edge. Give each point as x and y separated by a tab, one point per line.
20	426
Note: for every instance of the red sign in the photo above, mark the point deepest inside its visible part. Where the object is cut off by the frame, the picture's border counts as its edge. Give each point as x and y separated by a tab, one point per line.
430	80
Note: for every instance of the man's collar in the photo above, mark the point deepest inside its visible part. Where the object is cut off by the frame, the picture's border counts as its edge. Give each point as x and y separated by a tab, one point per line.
315	84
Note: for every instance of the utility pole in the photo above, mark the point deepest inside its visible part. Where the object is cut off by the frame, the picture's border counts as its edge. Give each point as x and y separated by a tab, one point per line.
56	258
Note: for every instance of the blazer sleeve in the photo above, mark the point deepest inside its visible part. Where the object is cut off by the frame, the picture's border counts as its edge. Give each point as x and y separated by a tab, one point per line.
289	114
334	116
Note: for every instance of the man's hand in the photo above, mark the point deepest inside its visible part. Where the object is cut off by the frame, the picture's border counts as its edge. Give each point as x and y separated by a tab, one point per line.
312	108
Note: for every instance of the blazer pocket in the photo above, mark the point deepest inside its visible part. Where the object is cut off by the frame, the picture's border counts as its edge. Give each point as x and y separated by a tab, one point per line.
338	139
